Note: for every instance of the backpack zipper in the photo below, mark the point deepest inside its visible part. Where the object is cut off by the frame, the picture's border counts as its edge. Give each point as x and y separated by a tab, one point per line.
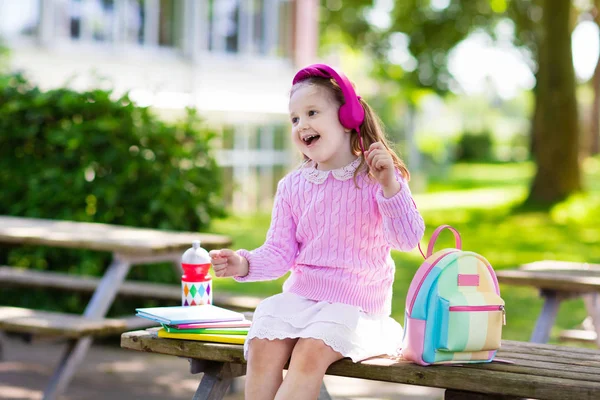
481	308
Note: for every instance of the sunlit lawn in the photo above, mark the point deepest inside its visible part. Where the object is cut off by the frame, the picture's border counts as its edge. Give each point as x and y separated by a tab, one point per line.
478	199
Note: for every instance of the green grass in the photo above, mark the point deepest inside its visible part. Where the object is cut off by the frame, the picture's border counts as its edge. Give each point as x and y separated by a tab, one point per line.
479	200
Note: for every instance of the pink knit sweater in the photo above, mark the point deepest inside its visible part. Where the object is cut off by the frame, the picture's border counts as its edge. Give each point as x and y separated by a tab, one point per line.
336	238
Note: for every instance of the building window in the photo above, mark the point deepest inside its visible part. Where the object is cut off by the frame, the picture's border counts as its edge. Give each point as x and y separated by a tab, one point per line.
255	27
19	18
262	27
258	26
170	23
133	21
284	45
254	158
92	20
224	25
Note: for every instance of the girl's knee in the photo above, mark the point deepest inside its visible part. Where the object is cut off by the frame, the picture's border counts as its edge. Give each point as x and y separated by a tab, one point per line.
312	355
269	353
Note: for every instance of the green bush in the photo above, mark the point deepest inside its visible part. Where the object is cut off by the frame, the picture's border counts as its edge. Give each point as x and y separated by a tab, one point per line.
86	157
475	146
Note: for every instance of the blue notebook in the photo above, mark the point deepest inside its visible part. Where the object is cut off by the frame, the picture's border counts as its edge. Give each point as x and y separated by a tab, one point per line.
189	314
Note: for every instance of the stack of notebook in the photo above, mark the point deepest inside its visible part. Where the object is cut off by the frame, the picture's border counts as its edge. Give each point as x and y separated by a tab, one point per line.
205	323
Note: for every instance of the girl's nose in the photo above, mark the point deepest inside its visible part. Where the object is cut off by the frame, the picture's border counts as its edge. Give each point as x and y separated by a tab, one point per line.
302	126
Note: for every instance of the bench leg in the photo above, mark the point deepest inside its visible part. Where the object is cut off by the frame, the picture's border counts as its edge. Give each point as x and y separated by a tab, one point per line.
461	395
543	326
216	378
98	306
2	343
73	355
592	305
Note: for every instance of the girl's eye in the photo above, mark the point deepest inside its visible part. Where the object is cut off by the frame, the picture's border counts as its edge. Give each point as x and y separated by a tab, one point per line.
294	120
311	113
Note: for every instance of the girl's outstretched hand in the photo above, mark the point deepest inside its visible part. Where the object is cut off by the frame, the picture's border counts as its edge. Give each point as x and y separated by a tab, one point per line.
227	262
381	164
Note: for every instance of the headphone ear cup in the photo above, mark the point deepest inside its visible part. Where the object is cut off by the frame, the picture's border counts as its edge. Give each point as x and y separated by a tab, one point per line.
351	114
343	116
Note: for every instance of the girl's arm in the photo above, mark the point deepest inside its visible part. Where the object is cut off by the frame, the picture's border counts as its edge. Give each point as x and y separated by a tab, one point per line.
403	225
276	256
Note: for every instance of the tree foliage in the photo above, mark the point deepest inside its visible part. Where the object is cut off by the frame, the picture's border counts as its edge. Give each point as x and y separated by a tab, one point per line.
433	32
86	157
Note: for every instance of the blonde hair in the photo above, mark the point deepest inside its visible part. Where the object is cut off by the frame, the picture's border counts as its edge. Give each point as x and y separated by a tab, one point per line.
371	129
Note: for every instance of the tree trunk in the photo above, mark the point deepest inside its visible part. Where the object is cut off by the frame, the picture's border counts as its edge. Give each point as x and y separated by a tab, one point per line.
537	118
556	137
594	134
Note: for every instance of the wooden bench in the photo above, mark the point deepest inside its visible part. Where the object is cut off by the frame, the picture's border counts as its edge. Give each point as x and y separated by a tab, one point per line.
537	371
73	326
50	324
20	277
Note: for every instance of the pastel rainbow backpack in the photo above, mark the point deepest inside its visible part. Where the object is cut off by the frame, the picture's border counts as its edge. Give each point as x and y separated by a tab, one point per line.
454	312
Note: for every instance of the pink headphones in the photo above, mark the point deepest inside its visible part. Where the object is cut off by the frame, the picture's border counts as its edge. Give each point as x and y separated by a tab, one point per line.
351	113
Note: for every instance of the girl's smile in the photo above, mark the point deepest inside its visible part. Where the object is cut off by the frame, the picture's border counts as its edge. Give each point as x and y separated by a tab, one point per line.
311	139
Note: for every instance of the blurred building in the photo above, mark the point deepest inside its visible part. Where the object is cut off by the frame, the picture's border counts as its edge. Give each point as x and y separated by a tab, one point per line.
233	60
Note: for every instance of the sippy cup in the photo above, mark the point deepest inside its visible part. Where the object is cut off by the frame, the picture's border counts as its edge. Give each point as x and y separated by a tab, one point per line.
196	282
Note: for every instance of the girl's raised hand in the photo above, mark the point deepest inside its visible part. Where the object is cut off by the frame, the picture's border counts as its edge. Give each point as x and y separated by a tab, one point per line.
227	262
381	165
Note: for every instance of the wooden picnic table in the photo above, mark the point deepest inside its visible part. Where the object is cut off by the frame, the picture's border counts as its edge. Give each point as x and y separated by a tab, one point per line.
558	281
129	246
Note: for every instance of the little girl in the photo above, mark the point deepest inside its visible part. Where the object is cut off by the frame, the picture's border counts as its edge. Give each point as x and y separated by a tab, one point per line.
334	222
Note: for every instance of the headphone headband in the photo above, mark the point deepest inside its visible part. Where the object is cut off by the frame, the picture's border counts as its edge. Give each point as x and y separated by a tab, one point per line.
351	113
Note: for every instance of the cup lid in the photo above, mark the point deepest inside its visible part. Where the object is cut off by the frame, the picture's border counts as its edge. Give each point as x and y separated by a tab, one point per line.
195	255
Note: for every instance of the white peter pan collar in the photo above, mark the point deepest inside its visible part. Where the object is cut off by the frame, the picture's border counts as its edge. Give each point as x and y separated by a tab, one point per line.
312	174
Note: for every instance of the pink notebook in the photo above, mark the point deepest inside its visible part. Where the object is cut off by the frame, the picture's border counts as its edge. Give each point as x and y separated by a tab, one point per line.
232	324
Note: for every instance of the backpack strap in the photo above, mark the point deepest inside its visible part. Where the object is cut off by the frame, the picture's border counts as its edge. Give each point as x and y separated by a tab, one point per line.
436	233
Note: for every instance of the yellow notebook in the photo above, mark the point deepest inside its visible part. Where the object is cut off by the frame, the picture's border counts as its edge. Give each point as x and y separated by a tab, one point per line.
203	337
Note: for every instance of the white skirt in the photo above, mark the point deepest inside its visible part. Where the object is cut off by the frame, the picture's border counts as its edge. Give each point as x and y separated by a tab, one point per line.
345	328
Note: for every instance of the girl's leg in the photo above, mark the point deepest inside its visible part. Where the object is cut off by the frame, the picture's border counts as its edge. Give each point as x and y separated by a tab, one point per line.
264	373
310	360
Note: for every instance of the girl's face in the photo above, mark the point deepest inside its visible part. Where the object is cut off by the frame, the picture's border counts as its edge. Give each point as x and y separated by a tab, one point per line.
316	128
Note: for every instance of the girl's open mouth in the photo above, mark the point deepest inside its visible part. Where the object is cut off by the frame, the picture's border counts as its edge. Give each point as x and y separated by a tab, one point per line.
311	139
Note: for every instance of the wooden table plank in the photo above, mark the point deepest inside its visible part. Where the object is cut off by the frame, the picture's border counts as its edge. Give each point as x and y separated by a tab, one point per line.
102	237
554	275
578	335
552	280
515	380
547	265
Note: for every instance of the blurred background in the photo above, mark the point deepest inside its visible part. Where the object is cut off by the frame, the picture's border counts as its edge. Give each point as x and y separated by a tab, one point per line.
172	114
232	61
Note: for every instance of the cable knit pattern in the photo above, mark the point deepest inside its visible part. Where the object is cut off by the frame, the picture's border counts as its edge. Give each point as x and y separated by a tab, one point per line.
336	238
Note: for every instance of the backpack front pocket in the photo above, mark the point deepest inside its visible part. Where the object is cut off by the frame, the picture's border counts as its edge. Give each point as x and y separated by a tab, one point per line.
467	324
